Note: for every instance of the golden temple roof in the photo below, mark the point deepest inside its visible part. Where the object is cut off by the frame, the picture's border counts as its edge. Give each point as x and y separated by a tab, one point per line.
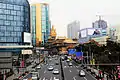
69	41
53	32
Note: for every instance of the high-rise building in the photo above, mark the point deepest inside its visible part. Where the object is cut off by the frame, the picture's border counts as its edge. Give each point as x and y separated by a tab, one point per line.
40	23
100	24
14	25
72	30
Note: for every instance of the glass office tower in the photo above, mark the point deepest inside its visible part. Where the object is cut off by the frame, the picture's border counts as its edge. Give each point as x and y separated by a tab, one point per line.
14	20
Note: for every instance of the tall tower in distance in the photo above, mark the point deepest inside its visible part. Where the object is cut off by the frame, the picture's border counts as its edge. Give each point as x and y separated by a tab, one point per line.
72	30
99	23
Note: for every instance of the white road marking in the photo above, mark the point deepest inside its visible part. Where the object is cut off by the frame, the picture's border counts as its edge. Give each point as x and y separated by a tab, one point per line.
74	78
44	78
90	75
76	66
45	71
85	78
40	79
70	70
51	78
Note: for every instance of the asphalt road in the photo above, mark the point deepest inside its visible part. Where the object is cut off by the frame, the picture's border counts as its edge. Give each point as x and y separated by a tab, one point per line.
48	75
72	72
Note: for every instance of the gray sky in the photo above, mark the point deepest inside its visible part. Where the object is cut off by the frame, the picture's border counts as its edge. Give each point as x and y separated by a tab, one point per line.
62	12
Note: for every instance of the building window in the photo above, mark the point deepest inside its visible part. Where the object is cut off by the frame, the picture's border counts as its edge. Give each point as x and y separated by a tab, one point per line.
1	33
13	12
16	7
18	13
9	17
1	22
2	39
9	6
13	23
7	11
3	17
2	28
7	33
1	11
7	22
13	34
16	28
9	28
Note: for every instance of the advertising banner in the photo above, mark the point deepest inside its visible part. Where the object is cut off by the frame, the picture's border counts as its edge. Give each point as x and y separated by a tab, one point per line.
71	51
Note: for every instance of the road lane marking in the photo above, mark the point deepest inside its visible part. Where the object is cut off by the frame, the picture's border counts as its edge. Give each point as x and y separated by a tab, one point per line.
74	78
70	70
51	78
85	78
90	75
45	71
77	70
44	78
40	79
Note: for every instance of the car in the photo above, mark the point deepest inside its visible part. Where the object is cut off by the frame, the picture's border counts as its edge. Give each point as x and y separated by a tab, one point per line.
70	64
50	59
35	75
56	78
55	71
68	60
38	67
88	68
57	63
81	73
50	68
85	66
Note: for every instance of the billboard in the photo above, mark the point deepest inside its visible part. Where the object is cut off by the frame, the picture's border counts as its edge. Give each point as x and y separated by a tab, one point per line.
71	51
27	37
79	55
26	51
83	33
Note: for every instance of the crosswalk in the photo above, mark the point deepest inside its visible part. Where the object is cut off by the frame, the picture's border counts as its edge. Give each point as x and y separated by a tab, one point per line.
70	66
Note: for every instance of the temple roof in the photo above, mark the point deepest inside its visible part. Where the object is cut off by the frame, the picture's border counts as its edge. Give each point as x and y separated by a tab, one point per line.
69	41
53	32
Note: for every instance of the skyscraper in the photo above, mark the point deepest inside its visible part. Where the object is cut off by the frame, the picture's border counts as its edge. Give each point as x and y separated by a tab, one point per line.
72	30
40	23
100	24
14	25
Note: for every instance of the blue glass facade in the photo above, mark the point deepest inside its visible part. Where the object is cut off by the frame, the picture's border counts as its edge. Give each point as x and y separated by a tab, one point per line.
14	20
45	23
33	11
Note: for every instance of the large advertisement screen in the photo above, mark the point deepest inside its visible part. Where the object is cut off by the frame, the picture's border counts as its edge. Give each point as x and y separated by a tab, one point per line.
83	33
27	37
91	31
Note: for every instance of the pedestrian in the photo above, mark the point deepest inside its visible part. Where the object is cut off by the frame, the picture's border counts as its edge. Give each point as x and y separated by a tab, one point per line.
18	70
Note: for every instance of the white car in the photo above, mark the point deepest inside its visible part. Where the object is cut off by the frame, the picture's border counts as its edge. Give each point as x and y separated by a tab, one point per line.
35	75
56	78
81	73
38	67
55	71
50	68
68	60
70	64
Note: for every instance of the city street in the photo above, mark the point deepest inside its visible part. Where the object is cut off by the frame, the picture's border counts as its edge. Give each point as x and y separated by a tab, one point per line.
48	75
72	72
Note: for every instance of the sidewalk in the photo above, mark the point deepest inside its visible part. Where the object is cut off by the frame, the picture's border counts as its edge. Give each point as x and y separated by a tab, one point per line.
97	72
16	75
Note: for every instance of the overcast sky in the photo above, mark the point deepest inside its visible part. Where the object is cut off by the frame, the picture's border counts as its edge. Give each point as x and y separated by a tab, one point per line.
62	12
